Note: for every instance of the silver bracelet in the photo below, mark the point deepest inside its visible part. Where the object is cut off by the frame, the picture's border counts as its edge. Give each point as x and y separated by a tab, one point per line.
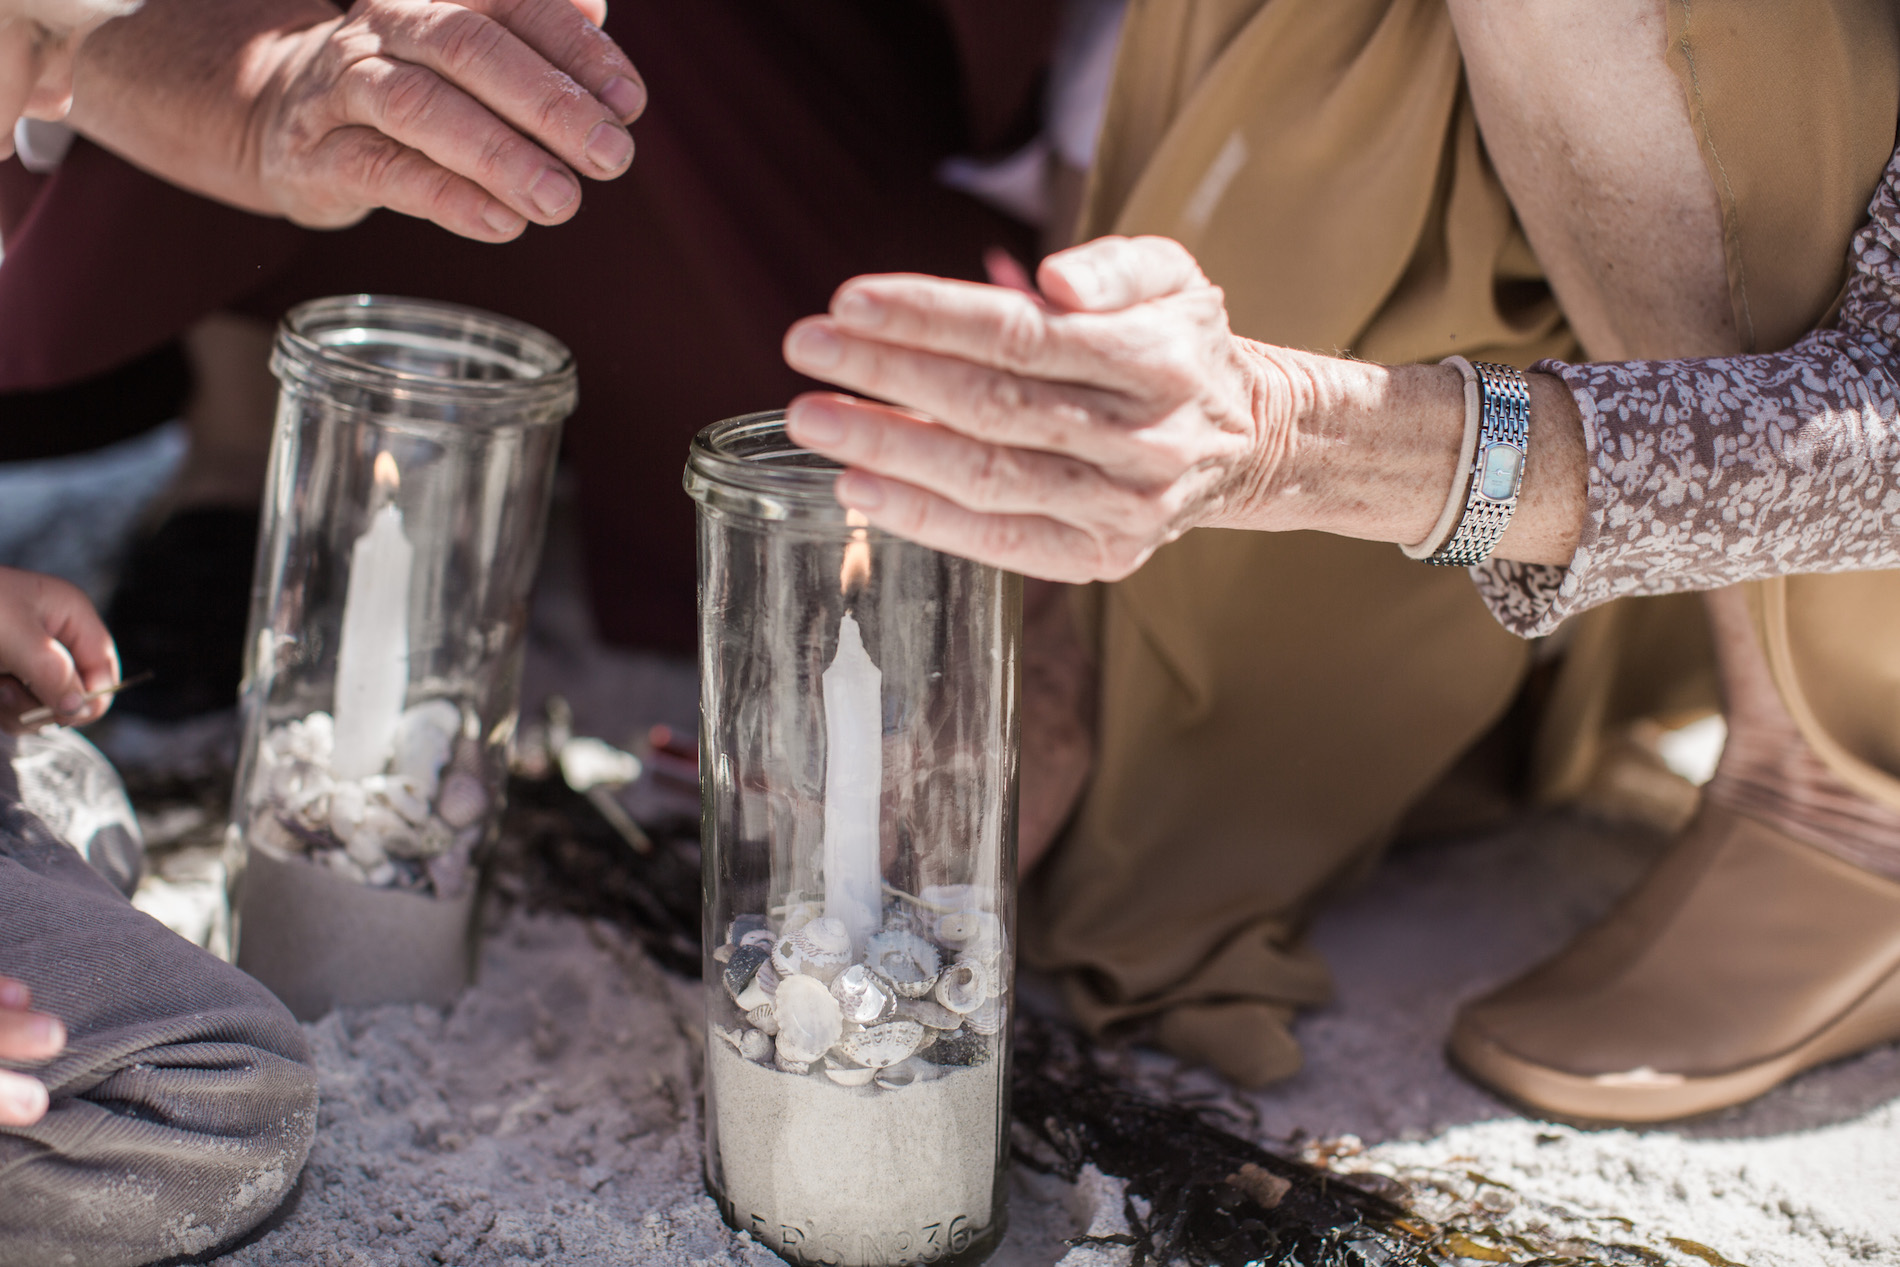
1454	507
1497	470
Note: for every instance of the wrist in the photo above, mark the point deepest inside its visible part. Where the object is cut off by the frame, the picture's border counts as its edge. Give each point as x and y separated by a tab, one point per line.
1370	450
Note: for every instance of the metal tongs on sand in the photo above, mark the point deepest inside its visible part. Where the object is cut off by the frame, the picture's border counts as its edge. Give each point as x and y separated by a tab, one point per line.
594	768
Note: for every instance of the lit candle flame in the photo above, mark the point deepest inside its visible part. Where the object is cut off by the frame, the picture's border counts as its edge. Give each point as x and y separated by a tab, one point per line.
856	572
388	478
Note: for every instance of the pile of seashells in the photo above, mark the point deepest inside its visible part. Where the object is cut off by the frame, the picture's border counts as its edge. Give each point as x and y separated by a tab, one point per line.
414	826
927	992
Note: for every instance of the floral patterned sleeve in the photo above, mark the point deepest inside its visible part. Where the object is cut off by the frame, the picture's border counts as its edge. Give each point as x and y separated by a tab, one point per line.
1704	473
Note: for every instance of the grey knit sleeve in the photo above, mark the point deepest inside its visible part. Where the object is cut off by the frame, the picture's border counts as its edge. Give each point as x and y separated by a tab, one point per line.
1704	473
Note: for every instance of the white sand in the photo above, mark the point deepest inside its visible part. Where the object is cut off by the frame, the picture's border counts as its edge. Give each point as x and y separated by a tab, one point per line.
856	1176
552	1116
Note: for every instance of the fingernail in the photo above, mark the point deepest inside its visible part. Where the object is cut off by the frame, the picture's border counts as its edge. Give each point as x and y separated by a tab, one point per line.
816	348
71	702
860	491
24	1096
553	192
14	994
502	220
1086	283
609	147
625	97
859	309
46	1031
815	424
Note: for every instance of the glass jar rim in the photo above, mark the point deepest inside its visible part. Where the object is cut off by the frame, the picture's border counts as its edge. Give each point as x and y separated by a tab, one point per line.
748	464
315	339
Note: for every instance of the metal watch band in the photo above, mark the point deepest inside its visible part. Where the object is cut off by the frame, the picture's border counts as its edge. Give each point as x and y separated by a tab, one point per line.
1497	469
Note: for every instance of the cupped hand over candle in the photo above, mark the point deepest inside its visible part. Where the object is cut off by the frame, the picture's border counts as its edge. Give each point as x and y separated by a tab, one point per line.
481	116
1066	435
1069	434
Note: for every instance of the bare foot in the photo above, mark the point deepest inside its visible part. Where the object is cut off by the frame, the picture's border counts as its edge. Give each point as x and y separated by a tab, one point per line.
1769	772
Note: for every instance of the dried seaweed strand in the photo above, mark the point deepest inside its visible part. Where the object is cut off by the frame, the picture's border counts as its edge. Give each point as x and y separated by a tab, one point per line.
1195	1191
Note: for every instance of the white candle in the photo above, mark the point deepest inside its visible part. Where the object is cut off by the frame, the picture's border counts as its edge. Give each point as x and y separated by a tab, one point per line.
372	660
854	781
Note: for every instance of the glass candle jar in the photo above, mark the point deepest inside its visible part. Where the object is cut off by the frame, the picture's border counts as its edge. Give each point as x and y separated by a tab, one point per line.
409	482
858	705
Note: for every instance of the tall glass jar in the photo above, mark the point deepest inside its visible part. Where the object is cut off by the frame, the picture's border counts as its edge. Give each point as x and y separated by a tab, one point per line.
858	707
409	482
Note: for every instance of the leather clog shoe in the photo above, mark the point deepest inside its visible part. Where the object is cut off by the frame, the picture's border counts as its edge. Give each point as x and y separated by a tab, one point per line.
1743	958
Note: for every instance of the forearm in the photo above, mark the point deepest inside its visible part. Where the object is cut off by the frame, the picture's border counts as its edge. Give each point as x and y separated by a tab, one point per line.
176	89
1375	450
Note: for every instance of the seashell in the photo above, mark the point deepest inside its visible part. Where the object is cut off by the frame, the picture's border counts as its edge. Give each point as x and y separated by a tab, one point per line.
969	928
907	961
399	793
901	919
861	996
728	1034
882	1046
798	915
848	1076
462	799
755	1044
432	838
928	1012
768	978
956	897
819	949
809	1019
311	739
742	967
347	807
425	736
792	1066
340	862
759	937
963	986
722	954
930	1039
987	1019
742	925
381	876
764	1018
906	1073
368	846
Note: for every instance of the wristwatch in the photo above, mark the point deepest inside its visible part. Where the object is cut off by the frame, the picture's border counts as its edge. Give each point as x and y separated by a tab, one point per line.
1497	469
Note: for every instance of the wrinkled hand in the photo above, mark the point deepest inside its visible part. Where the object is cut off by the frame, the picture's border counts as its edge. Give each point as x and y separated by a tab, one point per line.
25	1035
53	650
1067	436
475	115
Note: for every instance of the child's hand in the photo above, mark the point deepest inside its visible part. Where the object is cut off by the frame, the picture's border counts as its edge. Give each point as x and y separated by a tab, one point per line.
53	650
24	1035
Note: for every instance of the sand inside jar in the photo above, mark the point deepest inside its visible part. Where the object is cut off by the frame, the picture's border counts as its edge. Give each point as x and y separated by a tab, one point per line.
857	1176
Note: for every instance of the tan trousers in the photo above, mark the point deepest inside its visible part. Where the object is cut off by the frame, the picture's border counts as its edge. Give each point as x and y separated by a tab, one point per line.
1271	705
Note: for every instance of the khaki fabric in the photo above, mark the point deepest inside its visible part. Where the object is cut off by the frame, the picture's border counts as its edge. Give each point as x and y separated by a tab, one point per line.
1271	705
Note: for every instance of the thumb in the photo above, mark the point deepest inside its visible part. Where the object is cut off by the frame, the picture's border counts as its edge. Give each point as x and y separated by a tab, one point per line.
1114	273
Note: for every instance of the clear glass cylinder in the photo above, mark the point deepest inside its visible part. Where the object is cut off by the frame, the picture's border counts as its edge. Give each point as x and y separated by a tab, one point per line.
858	715
410	475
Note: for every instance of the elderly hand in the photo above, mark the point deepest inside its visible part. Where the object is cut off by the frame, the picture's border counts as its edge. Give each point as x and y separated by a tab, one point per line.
475	115
1066	437
54	649
25	1035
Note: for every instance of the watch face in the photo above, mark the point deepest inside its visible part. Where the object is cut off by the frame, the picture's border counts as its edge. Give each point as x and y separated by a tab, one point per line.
1502	467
